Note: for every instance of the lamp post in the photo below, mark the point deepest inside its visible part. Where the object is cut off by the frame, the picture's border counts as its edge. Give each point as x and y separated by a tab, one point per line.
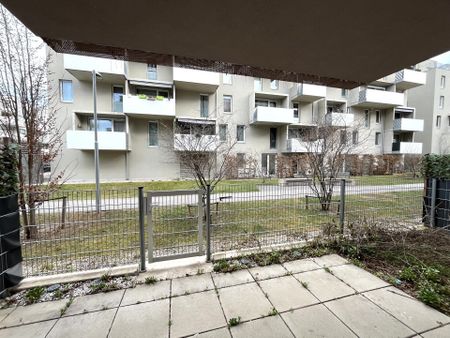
96	153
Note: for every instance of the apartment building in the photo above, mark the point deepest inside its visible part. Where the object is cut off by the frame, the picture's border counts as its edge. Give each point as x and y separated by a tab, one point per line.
432	102
143	108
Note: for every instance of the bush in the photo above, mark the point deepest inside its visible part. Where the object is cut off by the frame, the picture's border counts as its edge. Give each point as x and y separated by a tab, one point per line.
8	170
436	166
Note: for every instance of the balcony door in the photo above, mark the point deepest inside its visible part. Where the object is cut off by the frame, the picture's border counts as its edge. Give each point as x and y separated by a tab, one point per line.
268	164
273	138
117	99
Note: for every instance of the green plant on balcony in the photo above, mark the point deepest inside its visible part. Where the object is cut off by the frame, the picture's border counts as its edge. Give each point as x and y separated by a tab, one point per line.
159	98
143	97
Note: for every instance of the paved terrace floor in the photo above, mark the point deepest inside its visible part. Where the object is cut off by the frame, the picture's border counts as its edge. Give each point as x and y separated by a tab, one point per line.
320	297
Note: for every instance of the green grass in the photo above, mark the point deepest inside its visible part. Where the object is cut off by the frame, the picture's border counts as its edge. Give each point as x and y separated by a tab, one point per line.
386	179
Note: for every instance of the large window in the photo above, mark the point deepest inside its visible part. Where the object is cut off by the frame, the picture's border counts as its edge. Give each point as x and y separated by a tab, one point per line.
112	125
257	84
438	121
366	118
153	134
265	103
441	102
66	90
273	138
227	103
240	133
442	81
227	78
274	84
223	130
151	72
204	103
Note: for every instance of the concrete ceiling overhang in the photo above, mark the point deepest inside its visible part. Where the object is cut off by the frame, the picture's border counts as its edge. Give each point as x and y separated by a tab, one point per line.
335	43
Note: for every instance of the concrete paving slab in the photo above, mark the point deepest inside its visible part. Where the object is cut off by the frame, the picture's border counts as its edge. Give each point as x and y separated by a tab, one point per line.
366	319
246	301
191	284
99	301
315	321
301	265
195	313
219	333
410	311
36	330
324	285
442	332
234	278
34	313
94	324
146	293
267	327
286	293
142	320
357	278
6	312
270	271
330	260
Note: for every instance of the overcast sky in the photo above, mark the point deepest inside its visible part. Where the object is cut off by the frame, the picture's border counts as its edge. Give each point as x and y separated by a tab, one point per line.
443	58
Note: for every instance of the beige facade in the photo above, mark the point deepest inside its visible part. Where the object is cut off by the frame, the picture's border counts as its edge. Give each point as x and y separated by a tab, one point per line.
139	106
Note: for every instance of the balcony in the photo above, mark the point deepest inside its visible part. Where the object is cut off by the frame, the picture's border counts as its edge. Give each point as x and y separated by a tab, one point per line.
272	116
339	119
81	67
405	124
141	105
409	78
196	143
295	145
305	92
373	98
407	148
84	140
197	80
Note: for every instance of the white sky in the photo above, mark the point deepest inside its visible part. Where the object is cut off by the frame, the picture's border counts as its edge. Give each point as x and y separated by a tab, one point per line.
443	58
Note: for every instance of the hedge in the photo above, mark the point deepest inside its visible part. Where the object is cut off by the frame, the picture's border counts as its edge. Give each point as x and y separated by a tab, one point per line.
9	183
436	166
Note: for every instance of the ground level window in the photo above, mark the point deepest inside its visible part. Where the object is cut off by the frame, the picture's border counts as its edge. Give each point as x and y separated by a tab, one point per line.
153	134
240	133
377	138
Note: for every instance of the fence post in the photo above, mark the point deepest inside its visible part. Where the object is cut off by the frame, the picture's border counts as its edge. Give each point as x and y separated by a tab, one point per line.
208	223
433	202
141	227
63	214
342	206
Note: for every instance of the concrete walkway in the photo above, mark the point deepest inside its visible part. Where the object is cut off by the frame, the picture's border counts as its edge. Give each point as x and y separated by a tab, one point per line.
320	297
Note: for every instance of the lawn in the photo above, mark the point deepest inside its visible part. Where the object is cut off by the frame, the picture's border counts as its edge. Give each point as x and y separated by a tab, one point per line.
91	240
386	179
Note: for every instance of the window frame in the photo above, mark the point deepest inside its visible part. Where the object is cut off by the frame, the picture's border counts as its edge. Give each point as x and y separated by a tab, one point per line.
207	106
441	102
155	67
443	81
377	138
366	118
61	90
243	133
377	116
295	106
438	121
231	104
355	137
157	134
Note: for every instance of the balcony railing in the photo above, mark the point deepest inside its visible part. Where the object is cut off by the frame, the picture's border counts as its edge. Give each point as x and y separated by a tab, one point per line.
186	78
409	78
407	147
81	67
373	98
84	140
405	124
295	145
272	115
142	105
307	92
339	119
196	143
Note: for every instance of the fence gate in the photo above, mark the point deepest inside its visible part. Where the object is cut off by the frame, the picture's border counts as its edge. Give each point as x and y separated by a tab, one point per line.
175	224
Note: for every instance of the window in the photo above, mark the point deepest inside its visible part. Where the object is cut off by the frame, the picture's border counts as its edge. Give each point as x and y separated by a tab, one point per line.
153	93
265	103
366	118
227	78
151	72
344	92
223	128
438	121
295	106
153	134
273	138
441	102
442	81
66	90
448	117
204	103
227	104
240	133
355	137
119	125
257	84
117	99
377	138
108	125
377	116
274	84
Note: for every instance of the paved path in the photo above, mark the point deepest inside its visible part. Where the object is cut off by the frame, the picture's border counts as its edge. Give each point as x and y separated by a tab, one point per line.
266	192
296	299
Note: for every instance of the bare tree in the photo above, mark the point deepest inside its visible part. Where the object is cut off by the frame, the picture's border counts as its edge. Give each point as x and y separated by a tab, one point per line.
28	113
326	148
413	164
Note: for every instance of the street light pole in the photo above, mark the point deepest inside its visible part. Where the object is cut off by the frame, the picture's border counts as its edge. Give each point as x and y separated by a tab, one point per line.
96	153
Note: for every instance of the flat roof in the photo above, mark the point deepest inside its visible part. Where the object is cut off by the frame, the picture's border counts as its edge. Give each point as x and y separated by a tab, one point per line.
335	43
